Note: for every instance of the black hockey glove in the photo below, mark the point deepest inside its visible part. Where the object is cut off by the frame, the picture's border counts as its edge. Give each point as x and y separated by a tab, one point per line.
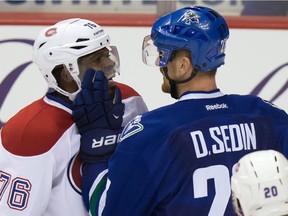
98	117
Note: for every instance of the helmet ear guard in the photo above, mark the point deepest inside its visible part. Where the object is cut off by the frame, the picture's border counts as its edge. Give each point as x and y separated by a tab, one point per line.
260	184
63	44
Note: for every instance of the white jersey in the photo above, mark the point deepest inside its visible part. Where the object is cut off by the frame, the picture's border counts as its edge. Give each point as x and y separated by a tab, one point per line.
40	170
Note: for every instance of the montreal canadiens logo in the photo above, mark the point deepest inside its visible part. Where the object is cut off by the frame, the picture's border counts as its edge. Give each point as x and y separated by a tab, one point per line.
50	32
74	173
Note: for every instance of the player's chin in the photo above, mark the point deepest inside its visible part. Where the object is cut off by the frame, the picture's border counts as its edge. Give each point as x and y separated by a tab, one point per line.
110	74
165	88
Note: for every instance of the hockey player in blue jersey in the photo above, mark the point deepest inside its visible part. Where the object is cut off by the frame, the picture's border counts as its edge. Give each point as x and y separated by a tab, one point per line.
178	159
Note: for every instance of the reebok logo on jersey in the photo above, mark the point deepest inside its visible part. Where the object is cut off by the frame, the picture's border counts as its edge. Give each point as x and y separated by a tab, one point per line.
216	106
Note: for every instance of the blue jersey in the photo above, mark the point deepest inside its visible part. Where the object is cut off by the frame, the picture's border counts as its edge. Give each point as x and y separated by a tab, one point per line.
178	159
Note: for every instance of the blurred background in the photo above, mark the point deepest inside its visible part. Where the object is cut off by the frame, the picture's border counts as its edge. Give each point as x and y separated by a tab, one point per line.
159	7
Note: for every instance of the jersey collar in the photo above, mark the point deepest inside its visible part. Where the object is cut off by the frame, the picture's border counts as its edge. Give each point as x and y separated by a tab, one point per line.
54	101
201	95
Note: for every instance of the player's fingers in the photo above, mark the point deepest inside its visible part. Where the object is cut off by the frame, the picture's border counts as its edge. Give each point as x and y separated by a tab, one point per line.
79	116
78	100
87	96
100	76
88	78
100	86
99	80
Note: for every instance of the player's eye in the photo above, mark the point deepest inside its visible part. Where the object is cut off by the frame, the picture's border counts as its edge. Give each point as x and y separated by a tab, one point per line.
97	59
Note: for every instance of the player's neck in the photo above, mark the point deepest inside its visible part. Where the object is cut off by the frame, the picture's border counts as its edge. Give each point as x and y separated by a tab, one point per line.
198	84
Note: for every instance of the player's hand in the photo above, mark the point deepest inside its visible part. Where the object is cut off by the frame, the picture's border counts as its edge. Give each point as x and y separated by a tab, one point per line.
98	117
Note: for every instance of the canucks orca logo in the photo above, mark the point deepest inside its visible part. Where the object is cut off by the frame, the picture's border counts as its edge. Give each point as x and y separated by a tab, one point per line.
133	127
191	17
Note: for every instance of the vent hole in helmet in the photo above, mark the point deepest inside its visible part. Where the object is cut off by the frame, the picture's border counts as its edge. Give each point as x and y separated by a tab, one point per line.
165	28
178	29
210	16
41	45
82	39
78	47
216	15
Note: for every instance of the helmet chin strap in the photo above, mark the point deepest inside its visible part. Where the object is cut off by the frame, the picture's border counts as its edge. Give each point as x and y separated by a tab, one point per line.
73	95
173	83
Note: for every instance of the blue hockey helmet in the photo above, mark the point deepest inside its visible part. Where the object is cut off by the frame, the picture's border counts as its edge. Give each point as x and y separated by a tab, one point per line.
200	30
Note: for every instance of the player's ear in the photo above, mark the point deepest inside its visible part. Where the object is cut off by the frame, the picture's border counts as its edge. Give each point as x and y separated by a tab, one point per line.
65	75
66	81
184	65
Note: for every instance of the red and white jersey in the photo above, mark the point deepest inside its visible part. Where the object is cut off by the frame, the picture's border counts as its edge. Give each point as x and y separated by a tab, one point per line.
40	172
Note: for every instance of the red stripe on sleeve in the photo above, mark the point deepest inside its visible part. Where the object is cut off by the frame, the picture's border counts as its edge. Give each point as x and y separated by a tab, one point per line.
126	90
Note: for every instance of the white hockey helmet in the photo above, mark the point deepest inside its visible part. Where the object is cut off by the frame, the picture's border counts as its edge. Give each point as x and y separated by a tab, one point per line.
62	44
260	184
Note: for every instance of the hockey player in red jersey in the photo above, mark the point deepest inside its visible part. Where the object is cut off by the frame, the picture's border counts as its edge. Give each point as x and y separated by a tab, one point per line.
40	172
260	184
